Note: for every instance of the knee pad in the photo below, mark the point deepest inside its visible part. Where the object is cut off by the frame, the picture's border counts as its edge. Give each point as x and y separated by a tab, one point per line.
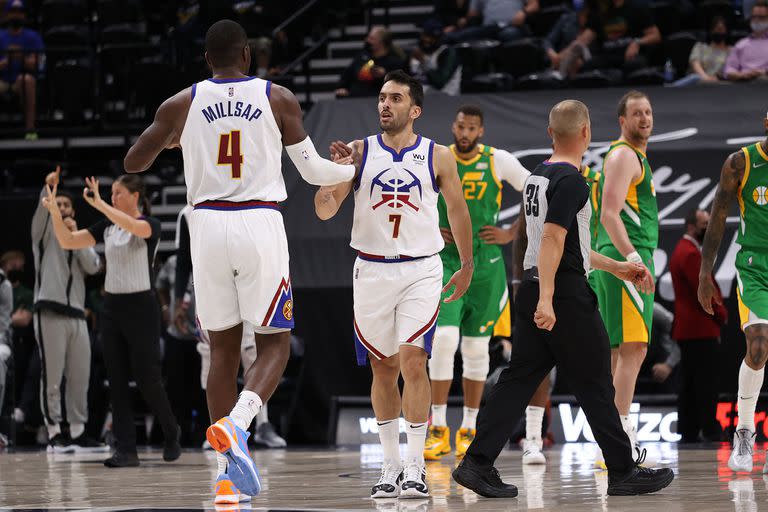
443	352
475	357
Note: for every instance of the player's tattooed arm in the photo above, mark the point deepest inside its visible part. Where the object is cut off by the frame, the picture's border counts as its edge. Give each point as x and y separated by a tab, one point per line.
163	133
328	199
730	178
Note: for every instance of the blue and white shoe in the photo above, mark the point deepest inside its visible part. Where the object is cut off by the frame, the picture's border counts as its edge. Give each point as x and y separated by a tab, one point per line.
232	442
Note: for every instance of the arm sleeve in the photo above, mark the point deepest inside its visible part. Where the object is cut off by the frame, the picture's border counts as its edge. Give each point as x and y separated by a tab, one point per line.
89	260
156	226
315	169
39	219
509	169
183	260
97	230
569	195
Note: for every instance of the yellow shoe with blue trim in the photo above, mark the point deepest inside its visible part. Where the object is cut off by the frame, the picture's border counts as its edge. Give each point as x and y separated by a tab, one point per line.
438	443
464	438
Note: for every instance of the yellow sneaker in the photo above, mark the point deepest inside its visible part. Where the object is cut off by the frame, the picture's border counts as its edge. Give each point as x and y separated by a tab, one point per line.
464	438
438	443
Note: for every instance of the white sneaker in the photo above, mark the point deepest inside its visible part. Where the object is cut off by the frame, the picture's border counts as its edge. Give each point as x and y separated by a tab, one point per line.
743	449
414	483
641	456
388	485
532	452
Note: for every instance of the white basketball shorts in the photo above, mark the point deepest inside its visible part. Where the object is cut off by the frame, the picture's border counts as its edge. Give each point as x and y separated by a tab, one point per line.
240	267
395	304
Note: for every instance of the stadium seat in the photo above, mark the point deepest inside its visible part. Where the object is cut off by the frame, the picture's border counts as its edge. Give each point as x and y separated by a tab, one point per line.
539	81
122	33
63	12
667	17
489	82
112	12
147	95
67	35
520	58
476	57
546	18
72	88
677	48
592	79
645	76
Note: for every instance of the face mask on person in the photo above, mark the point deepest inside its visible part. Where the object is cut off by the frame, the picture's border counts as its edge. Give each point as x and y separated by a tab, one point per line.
15	275
718	37
758	27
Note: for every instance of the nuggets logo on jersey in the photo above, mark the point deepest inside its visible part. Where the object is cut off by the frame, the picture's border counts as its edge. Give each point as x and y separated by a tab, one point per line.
394	191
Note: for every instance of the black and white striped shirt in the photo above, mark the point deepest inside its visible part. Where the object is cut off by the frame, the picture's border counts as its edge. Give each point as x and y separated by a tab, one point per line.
130	259
556	192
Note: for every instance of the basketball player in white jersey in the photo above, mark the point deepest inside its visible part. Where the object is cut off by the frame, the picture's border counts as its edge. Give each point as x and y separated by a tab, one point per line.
397	279
231	129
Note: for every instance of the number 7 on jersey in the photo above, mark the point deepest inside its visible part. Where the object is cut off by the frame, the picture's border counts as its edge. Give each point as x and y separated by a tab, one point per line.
229	152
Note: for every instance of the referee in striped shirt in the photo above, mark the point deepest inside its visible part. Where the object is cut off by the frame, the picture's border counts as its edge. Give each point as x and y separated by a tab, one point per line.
557	322
131	318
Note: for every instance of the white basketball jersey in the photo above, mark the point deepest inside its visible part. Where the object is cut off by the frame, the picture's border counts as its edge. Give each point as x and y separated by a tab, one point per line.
231	143
396	201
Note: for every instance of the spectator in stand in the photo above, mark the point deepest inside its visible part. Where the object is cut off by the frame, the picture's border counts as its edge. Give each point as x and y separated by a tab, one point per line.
20	54
504	20
748	60
434	64
616	33
560	43
60	326
698	335
452	14
12	263
707	60
365	74
130	323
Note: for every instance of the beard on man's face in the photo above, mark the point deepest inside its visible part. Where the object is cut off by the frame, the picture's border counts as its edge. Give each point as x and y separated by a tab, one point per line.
465	145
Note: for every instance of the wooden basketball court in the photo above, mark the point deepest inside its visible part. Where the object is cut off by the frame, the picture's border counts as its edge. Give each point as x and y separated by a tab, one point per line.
340	479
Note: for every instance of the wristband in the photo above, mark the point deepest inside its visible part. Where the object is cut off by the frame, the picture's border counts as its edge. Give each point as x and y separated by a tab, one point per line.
634	257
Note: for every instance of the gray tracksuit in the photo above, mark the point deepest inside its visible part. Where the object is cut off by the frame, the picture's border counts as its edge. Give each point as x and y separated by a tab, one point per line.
6	309
60	327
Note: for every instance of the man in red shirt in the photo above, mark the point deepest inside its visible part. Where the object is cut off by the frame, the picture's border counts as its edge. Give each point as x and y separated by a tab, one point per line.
698	334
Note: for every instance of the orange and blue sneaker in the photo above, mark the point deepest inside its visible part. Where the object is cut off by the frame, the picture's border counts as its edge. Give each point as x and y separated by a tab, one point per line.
232	442
225	492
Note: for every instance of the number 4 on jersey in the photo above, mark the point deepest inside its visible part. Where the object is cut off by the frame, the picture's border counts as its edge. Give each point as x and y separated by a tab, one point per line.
229	152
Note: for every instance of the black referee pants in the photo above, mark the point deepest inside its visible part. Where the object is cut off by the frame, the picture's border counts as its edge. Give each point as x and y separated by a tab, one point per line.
578	345
131	336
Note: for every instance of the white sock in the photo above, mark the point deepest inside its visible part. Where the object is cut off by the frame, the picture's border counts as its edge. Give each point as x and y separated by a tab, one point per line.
439	415
750	382
417	436
389	436
263	416
626	423
469	420
221	464
246	408
53	430
76	430
534	417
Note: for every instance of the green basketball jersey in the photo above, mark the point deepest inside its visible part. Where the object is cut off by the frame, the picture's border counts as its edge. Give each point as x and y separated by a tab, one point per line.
593	179
753	200
640	214
482	191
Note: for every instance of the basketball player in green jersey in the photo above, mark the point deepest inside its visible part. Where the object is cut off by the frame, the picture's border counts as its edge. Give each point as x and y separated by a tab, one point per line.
628	229
744	178
473	317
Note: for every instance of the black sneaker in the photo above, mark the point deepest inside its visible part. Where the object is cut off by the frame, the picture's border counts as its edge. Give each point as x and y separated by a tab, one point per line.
60	444
172	447
639	480
122	460
83	443
484	480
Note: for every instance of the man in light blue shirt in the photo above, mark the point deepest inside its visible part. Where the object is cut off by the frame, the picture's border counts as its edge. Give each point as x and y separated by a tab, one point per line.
504	20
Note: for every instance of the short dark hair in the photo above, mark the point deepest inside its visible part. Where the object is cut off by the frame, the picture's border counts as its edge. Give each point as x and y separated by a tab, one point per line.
471	110
64	193
415	89
631	95
690	217
224	41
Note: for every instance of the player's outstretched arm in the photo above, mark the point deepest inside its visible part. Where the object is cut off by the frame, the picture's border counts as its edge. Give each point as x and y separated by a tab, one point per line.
635	273
315	169
730	178
328	199
164	132
624	168
458	218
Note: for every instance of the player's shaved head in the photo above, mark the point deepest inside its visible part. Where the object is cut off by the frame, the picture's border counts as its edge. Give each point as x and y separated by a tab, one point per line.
224	44
567	119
